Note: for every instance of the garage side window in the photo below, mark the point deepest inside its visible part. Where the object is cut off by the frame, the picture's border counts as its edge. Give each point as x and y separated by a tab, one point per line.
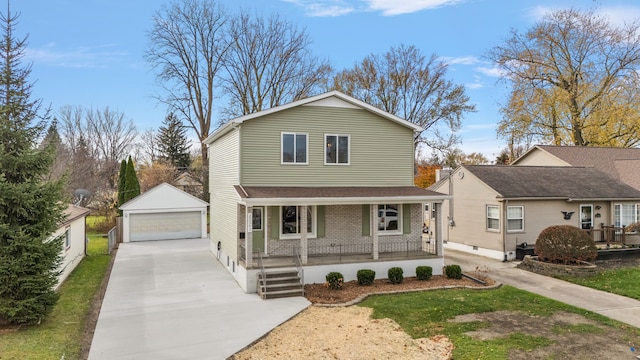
493	218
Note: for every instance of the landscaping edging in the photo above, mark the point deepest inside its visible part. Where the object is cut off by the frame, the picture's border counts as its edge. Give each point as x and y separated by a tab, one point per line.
531	263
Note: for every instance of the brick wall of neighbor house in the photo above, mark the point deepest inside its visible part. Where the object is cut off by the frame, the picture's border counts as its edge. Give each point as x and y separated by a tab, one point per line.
343	236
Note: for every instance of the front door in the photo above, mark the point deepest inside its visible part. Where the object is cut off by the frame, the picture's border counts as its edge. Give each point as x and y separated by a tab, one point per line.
257	218
586	217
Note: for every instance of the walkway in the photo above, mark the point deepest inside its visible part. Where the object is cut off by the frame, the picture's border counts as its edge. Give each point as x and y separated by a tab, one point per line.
616	307
173	300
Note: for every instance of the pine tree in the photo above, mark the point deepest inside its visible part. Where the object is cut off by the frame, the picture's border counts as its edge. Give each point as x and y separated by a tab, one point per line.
31	208
173	144
132	185
122	177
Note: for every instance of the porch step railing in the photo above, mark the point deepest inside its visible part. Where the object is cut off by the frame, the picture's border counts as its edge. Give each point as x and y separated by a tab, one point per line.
279	284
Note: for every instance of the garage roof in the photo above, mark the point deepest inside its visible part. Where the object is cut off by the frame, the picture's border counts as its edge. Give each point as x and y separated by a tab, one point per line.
164	197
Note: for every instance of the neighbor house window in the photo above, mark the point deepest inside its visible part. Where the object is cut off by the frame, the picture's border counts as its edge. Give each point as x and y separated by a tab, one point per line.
625	214
336	149
389	218
586	217
493	218
67	238
294	148
515	218
290	221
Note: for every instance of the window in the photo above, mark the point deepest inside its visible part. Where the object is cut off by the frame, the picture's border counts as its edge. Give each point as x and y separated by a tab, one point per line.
493	218
515	218
256	219
389	217
337	149
294	148
290	221
586	217
67	238
625	214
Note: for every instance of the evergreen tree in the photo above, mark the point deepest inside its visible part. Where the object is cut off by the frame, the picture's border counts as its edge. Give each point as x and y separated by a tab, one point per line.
122	176
132	184
31	208
173	144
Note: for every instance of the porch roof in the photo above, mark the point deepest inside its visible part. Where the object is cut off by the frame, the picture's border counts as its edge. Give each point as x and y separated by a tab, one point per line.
344	195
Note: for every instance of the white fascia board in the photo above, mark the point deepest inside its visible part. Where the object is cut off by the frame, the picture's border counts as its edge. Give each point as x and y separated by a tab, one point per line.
343	200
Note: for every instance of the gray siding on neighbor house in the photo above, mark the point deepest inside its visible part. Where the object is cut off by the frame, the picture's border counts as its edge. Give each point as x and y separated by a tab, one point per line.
381	151
224	172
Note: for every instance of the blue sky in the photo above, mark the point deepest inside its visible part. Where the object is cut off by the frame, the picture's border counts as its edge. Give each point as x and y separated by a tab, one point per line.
90	53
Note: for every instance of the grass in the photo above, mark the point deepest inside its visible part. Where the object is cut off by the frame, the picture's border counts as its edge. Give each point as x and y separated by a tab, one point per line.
425	314
618	281
60	335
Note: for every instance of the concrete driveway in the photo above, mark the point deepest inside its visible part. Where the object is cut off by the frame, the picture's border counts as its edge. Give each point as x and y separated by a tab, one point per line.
173	300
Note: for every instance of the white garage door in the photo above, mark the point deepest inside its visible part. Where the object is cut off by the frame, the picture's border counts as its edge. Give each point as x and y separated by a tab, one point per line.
165	226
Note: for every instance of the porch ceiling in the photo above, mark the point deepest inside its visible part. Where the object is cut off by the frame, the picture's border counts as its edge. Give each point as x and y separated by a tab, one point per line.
271	195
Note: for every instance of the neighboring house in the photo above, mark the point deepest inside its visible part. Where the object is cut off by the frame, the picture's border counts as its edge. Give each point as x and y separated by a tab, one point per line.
188	183
496	209
327	180
164	213
619	163
73	231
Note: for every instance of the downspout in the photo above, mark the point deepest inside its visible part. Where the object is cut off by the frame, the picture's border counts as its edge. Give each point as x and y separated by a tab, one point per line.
86	239
504	234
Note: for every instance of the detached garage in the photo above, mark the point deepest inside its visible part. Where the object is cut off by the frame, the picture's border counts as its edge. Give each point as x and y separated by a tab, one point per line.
164	213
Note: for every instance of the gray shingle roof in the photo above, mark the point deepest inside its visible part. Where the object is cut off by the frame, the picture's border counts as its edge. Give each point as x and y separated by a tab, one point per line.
546	182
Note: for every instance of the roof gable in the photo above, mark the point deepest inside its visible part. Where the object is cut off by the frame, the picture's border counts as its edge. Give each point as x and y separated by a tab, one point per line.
163	197
329	99
552	182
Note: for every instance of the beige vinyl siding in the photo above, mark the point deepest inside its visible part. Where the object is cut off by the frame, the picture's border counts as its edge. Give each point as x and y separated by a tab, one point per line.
381	151
538	157
224	172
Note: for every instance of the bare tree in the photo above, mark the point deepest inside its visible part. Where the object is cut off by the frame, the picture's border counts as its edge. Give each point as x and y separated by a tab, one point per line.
269	63
187	46
574	78
147	147
404	83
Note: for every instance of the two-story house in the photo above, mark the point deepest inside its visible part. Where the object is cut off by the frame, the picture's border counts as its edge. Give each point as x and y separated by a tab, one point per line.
326	181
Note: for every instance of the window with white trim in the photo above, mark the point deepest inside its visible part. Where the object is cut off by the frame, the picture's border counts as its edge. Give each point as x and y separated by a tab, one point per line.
290	221
294	148
625	214
389	218
493	218
336	149
586	217
67	238
256	219
515	218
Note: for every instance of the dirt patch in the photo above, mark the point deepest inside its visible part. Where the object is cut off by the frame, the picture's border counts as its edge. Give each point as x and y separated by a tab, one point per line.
593	341
344	333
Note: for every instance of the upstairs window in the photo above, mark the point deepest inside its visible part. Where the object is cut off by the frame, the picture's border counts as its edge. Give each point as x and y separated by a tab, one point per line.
336	149
294	148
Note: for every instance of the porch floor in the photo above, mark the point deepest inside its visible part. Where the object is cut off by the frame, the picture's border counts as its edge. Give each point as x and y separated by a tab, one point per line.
288	261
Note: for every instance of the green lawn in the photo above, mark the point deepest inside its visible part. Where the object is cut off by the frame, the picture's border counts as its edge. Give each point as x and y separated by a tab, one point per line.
618	281
424	314
60	336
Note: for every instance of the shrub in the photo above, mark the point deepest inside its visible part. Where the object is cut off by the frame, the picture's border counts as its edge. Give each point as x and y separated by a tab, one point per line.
424	272
366	276
453	271
395	275
565	244
335	280
635	227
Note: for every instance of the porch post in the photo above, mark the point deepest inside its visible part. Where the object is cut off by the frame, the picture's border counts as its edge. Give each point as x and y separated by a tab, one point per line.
439	244
249	236
303	234
374	231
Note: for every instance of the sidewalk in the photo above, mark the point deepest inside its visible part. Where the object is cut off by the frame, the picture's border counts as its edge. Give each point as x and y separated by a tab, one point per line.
613	306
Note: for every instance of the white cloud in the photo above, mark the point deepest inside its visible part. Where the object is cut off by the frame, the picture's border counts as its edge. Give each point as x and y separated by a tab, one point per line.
396	7
474	85
464	60
617	15
493	71
324	8
81	57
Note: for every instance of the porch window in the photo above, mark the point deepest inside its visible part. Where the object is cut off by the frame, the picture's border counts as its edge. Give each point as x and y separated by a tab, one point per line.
389	217
515	218
493	218
336	149
290	221
294	148
625	214
256	219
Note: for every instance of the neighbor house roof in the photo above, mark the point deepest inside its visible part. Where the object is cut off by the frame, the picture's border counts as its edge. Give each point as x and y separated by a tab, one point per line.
318	99
273	195
72	212
552	182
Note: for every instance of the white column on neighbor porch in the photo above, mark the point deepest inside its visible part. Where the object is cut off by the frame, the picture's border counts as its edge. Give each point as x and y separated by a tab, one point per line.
374	231
249	236
303	234
438	226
